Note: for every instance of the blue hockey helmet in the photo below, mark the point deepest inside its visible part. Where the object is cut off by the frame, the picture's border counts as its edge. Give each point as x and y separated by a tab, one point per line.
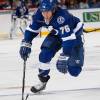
47	5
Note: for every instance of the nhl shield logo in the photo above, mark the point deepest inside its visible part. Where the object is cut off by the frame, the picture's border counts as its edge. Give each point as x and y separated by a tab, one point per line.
60	20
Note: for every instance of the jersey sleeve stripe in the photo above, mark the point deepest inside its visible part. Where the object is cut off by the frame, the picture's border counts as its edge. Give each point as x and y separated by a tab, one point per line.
71	37
31	30
79	26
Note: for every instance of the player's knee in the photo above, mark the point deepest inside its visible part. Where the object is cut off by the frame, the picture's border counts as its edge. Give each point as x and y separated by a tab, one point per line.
45	56
74	70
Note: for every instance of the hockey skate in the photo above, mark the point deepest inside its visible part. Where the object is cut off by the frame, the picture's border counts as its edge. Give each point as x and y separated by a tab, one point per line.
40	86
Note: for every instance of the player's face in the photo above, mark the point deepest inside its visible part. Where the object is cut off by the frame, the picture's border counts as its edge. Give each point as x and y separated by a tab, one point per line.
47	15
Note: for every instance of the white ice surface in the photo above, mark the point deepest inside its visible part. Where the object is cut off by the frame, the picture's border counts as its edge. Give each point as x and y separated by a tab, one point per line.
60	87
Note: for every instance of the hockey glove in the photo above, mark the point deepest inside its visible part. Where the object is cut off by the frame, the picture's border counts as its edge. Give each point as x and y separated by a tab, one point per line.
25	50
62	63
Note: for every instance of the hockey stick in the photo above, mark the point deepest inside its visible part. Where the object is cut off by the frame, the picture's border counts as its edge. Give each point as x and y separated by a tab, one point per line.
92	30
21	30
23	82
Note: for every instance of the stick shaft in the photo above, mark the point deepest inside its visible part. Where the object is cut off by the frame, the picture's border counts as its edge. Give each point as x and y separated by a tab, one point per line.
23	82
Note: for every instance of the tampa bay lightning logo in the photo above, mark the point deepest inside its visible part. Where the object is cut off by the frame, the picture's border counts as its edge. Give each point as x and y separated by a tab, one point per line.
60	20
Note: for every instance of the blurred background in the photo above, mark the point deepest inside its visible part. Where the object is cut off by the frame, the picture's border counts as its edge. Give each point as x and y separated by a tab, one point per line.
70	4
87	10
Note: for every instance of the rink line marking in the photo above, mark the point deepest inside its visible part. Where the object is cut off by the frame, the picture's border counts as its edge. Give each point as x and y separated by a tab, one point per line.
52	92
11	88
84	69
91	69
3	53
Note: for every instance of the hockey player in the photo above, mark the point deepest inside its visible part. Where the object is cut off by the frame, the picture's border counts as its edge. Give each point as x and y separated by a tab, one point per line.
21	12
66	32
